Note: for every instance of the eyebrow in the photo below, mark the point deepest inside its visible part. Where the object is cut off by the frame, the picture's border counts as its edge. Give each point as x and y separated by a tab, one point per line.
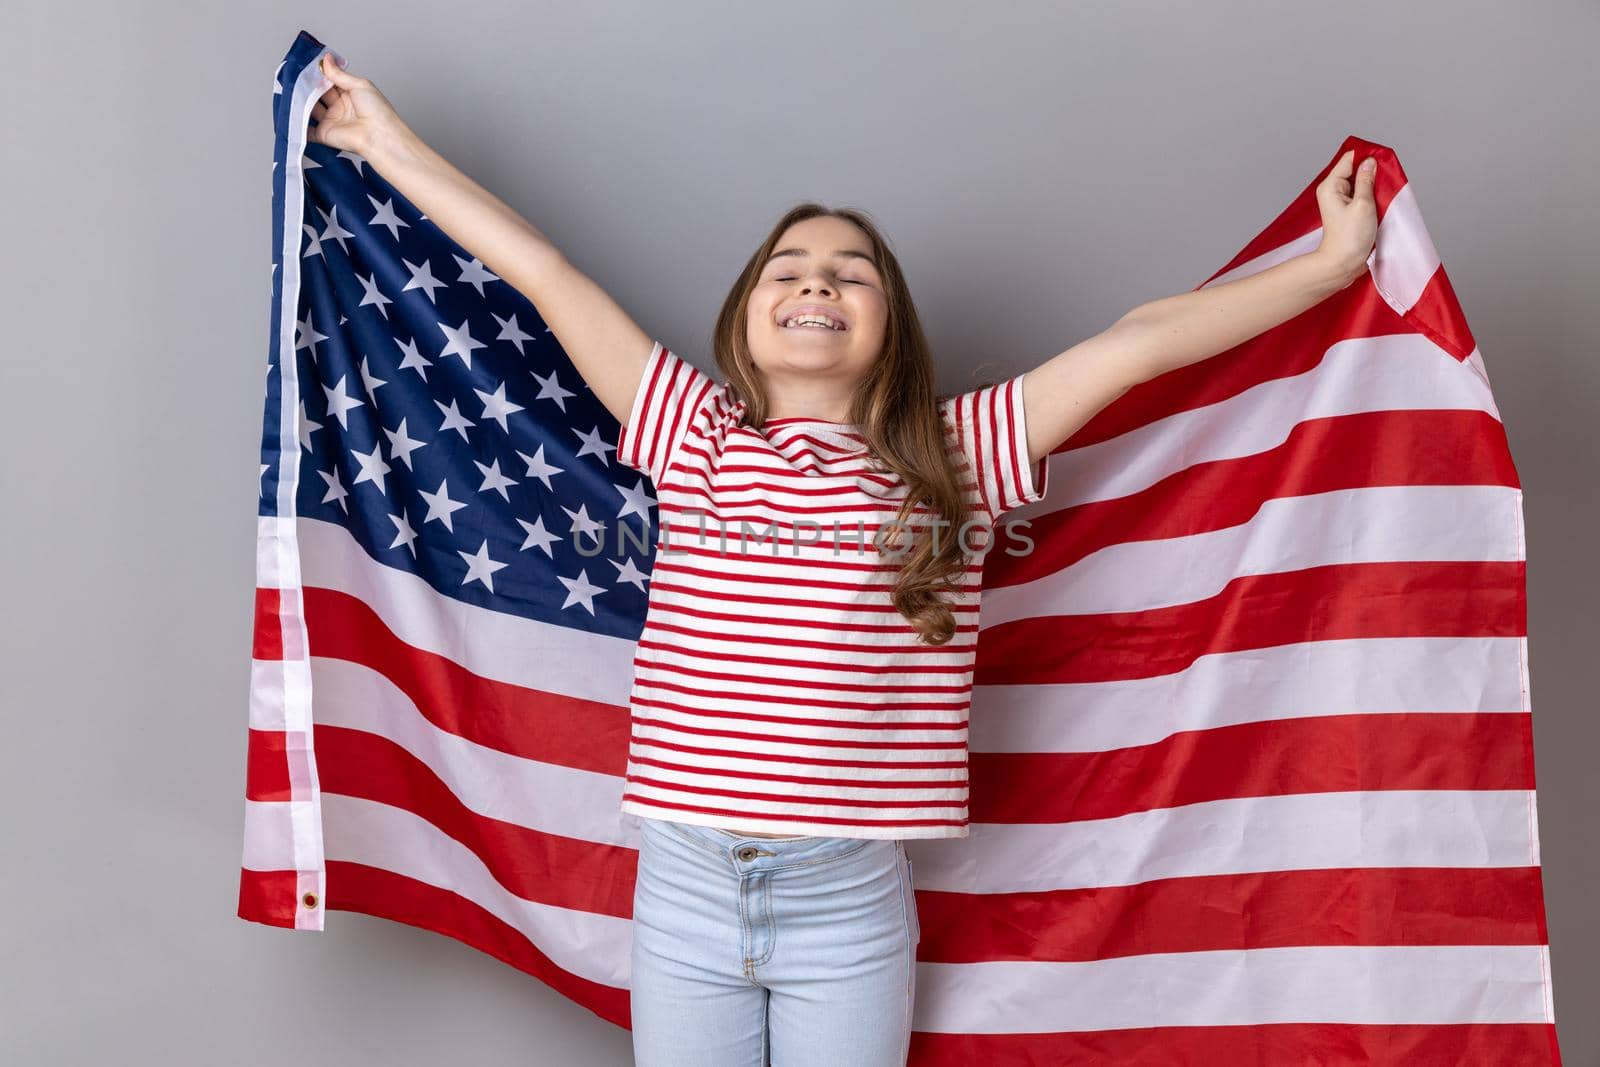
848	253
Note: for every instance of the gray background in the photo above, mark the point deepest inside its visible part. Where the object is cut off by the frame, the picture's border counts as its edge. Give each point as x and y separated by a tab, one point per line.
1041	168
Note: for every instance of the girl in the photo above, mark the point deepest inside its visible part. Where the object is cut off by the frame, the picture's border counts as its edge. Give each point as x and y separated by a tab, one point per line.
800	699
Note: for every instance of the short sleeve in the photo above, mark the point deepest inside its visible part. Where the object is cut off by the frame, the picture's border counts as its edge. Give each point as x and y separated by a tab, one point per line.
992	430
670	393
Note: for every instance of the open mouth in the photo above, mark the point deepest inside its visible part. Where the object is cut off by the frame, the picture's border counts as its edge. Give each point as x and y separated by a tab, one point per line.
813	319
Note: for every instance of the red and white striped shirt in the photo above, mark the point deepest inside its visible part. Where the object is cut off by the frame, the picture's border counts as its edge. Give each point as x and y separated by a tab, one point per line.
776	688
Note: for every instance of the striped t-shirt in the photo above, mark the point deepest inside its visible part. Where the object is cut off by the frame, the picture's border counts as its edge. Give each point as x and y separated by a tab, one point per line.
776	688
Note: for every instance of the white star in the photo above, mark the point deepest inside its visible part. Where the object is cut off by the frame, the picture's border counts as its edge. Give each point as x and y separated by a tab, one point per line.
371	295
510	331
550	389
307	426
336	491
373	468
440	506
493	479
538	536
496	406
387	217
354	159
453	419
583	524
306	335
627	572
368	382
580	591
593	444
538	468
339	402
474	273
414	359
404	533
334	230
635	501
313	242
421	278
459	342
309	162
479	566
263	474
401	446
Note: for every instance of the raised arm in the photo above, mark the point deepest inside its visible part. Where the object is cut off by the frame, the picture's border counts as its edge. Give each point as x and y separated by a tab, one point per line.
1065	391
608	348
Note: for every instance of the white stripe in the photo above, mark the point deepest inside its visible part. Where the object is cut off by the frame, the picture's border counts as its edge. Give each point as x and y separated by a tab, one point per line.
1364	676
1398	372
546	797
1380	524
276	833
1426	985
1281	254
280	695
1308	831
490	644
1403	259
588	944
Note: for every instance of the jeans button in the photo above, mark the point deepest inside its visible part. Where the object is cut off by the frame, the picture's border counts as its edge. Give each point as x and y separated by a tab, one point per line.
747	853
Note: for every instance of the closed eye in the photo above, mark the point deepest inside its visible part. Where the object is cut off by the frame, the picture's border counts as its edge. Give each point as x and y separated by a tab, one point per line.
847	281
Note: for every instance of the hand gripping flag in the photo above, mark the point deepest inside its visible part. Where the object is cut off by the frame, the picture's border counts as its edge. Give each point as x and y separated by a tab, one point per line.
1252	763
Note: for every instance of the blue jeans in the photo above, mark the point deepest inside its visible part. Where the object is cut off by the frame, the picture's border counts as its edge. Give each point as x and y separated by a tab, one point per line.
801	949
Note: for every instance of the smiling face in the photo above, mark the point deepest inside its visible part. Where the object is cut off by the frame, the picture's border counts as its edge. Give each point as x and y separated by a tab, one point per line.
823	265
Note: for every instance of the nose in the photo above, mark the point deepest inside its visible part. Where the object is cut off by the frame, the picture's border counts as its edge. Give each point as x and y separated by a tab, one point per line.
820	287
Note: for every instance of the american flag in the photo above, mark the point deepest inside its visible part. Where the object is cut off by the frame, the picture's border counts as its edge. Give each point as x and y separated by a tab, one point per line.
1252	762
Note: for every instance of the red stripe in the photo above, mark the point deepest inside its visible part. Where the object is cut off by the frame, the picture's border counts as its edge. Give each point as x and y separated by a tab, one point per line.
356	887
531	723
807	701
1437	315
702	791
1273	758
1423	1045
1337	602
794	602
906	648
267	639
808	742
834	626
1285	350
1381	448
664	562
867	719
547	868
1418	906
1016	451
863	666
266	773
817	820
655	400
686	671
268	897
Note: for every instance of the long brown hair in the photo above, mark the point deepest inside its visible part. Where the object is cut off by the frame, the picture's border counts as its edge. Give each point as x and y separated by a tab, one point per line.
896	409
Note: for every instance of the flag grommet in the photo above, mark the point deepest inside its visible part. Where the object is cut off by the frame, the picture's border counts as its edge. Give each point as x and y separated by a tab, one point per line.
310	900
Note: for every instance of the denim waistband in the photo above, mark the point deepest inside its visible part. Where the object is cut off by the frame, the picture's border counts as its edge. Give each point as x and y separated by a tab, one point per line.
771	851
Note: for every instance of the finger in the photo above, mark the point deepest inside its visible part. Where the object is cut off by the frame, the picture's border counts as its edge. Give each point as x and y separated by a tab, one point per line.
1341	166
1366	178
337	74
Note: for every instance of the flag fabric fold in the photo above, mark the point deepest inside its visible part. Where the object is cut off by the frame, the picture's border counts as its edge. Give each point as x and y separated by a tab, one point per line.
1251	741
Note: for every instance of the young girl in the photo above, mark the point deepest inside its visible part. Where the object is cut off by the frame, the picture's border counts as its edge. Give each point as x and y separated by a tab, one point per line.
802	684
